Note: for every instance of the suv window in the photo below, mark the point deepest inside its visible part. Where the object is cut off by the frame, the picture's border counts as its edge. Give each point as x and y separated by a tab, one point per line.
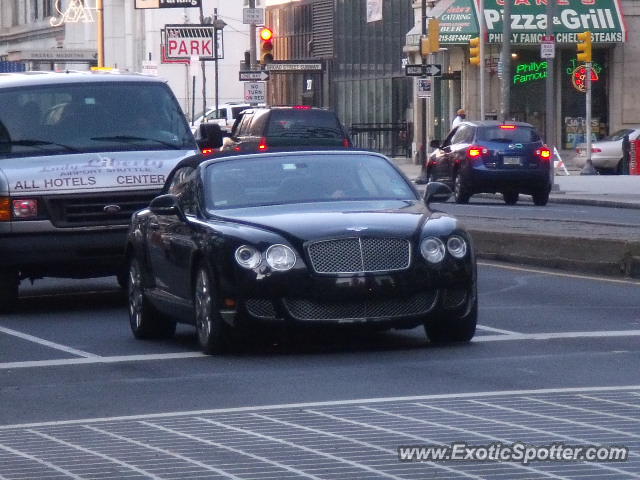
41	120
520	134
304	123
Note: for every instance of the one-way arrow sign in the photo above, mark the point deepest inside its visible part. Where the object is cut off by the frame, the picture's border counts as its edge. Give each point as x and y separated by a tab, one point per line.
419	70
433	70
253	76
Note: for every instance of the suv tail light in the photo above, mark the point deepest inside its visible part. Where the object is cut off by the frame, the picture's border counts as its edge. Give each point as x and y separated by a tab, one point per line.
5	210
262	146
544	153
476	151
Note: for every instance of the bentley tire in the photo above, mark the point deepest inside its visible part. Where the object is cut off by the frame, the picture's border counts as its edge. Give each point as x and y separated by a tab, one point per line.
9	282
145	321
444	328
210	327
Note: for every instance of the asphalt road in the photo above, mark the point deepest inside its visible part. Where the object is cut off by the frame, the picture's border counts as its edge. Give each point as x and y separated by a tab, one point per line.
556	359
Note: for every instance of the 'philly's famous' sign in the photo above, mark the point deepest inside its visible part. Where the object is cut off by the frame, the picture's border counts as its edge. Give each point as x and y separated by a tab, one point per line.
603	18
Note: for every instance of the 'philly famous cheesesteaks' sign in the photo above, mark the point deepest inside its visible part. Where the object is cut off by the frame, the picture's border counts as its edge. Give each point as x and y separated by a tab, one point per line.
603	18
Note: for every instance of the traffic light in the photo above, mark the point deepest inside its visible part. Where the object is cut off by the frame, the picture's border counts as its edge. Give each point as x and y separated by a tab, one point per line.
266	46
584	47
431	42
474	51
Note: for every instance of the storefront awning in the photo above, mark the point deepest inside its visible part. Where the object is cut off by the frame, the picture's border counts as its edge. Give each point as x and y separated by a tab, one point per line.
459	22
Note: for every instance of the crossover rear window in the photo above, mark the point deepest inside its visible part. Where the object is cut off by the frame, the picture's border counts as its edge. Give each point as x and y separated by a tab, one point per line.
519	134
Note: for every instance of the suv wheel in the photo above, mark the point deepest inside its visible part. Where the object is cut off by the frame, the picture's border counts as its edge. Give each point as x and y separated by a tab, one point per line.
510	198
460	190
540	198
9	282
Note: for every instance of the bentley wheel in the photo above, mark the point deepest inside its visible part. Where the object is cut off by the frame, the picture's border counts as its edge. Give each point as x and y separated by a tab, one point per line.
443	328
144	320
210	326
460	192
511	198
9	282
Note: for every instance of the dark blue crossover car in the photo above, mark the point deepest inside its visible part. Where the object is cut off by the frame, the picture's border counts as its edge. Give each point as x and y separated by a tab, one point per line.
493	157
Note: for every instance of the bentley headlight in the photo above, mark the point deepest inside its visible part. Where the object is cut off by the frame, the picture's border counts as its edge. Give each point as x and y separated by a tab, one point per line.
432	249
457	246
248	257
280	257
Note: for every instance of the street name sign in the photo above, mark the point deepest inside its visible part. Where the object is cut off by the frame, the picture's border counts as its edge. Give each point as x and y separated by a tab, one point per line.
253	16
293	67
167	3
253	76
255	92
413	70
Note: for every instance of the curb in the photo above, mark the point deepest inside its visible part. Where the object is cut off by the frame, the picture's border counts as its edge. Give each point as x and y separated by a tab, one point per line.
618	258
575	201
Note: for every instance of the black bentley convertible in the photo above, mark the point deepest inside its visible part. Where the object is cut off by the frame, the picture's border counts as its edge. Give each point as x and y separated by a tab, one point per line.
298	238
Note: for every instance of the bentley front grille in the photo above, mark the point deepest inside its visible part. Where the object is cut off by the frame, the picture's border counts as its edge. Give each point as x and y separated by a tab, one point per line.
360	255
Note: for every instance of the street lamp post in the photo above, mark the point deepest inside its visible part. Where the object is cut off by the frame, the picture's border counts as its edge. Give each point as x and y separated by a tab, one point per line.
100	32
218	24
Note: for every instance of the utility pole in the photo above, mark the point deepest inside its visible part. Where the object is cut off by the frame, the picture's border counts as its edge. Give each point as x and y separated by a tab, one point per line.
423	121
481	34
549	90
204	74
252	40
100	32
505	59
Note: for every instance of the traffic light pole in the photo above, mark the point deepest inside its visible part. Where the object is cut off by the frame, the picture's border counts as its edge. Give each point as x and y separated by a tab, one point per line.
481	34
252	40
423	123
588	166
506	61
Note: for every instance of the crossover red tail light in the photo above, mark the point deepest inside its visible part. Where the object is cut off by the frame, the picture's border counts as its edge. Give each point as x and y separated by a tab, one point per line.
544	153
475	151
263	144
346	143
508	127
207	151
596	150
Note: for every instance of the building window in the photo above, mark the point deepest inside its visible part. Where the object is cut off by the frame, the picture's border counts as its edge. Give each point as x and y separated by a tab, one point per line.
47	8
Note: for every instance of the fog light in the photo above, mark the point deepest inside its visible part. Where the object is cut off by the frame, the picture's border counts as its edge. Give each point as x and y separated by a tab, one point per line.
432	249
25	208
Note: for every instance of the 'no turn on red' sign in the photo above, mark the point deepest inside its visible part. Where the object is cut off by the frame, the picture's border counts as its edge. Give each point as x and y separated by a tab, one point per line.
255	92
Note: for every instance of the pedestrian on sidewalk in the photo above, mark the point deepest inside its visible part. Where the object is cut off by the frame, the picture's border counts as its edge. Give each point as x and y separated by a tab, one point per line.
461	115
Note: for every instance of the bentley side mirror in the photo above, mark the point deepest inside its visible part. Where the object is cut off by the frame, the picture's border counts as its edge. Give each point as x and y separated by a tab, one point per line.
166	205
437	192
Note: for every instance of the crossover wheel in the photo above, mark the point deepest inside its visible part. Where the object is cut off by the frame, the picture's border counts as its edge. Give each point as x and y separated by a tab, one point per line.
210	327
9	282
540	198
511	198
446	328
145	321
460	191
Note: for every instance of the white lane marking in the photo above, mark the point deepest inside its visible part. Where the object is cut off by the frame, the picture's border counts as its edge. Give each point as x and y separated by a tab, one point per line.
467	431
615	402
586	410
329	403
554	435
302	447
47	343
497	330
232	449
521	411
559	274
97	454
558	335
41	462
353	440
165	452
113	359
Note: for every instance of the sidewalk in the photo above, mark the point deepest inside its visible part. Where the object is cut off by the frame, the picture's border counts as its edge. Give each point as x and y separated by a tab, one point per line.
622	191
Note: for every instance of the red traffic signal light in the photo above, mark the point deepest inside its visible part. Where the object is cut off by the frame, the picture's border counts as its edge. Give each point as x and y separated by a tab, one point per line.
266	34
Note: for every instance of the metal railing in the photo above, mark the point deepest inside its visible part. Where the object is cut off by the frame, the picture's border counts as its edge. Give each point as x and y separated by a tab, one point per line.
392	139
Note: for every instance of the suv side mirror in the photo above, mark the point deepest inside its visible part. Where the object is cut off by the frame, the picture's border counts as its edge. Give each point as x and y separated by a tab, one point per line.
434	144
209	135
166	205
437	192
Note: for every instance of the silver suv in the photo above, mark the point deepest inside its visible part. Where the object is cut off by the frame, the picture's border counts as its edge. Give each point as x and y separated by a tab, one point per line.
79	153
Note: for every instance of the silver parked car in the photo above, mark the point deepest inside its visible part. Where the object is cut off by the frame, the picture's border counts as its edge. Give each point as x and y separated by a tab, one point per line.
606	154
